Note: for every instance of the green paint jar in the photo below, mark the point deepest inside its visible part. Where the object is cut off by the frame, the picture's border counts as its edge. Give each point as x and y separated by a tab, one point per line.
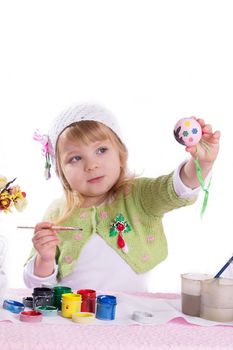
57	295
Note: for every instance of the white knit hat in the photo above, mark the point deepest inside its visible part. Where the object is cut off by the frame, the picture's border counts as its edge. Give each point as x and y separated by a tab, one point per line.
79	113
69	116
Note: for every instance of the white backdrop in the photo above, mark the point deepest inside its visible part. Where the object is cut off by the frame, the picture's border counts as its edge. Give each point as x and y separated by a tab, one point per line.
150	62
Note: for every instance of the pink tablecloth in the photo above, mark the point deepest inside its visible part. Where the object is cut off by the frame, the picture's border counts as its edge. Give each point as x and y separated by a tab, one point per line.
176	334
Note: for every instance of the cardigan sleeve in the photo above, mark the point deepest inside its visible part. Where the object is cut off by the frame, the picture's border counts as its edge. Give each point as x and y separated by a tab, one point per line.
51	214
157	196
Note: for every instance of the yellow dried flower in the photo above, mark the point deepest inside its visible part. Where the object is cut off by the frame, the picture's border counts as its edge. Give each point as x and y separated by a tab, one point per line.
11	196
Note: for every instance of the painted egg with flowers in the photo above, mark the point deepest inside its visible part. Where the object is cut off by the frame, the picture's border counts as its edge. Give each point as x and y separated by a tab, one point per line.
188	131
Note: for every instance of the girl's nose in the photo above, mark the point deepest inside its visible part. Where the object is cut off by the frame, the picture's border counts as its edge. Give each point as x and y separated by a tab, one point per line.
91	165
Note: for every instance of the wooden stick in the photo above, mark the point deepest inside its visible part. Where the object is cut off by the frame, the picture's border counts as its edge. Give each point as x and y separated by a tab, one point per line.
59	228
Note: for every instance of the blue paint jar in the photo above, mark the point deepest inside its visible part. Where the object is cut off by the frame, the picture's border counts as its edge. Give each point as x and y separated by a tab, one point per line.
106	307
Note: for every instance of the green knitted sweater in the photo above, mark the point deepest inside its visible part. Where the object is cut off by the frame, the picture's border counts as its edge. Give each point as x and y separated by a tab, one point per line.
141	205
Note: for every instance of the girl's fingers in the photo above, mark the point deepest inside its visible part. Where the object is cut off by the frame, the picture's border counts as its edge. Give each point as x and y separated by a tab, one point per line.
44	233
217	134
212	137
45	240
207	129
43	225
45	237
201	122
191	149
47	248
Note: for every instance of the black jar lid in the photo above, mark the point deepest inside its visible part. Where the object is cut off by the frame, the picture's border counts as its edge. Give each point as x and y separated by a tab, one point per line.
41	291
28	302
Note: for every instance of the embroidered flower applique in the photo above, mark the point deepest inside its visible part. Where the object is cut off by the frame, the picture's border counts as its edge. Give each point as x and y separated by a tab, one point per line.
117	228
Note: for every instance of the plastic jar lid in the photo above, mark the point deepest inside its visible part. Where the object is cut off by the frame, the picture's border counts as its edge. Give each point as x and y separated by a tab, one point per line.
83	317
61	290
41	291
106	299
47	310
13	306
71	297
30	316
87	293
28	302
143	317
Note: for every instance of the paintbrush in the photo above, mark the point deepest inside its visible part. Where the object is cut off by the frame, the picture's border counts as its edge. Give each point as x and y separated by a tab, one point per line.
224	267
59	228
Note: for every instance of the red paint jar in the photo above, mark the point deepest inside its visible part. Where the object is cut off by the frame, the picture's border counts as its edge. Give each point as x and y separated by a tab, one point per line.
88	300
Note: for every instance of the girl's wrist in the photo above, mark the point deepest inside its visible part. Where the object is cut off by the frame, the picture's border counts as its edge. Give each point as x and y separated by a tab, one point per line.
188	173
206	167
43	268
45	260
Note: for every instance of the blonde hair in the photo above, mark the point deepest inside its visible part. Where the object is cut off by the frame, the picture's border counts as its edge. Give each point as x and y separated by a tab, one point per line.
85	132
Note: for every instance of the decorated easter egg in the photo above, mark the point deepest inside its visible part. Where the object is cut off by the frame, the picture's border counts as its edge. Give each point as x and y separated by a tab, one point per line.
188	131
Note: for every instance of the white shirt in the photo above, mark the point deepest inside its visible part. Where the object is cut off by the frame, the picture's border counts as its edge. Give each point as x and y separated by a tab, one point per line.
99	267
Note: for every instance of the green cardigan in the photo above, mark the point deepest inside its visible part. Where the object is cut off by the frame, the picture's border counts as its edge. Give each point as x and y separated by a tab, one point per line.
140	206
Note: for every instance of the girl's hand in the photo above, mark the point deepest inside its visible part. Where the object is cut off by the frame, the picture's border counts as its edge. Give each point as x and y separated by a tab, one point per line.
45	241
208	147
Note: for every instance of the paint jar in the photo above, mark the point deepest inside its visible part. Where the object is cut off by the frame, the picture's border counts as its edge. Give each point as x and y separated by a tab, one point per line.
70	304
106	307
88	300
217	299
42	297
191	293
57	292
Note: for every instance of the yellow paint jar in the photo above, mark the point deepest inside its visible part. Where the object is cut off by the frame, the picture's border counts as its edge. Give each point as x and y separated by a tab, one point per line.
70	304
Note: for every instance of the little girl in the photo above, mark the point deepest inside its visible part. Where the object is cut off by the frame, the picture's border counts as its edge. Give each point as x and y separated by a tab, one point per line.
122	237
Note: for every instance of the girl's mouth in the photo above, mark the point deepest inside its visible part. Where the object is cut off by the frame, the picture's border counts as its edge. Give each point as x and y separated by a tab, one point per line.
96	179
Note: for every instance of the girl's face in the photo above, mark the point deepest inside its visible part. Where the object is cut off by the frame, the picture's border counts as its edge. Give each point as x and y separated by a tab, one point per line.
91	169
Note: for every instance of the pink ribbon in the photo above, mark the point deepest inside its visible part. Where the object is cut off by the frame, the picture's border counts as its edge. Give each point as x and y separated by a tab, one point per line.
43	139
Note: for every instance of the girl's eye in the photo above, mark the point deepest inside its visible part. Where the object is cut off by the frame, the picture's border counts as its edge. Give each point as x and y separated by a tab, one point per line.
75	159
102	150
